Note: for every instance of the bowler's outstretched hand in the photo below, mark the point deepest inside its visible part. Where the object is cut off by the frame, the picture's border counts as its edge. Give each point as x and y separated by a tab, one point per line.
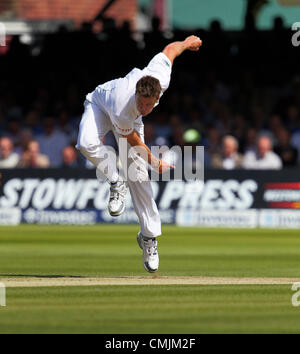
193	43
174	49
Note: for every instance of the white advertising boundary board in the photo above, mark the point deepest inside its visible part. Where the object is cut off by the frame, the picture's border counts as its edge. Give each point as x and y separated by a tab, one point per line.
217	218
10	216
251	218
279	218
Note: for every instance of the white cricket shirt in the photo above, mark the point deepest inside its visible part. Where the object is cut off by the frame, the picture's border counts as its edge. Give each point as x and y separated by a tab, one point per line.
117	97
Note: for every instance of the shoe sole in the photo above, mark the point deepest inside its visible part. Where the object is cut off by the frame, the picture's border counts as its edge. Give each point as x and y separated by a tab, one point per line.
118	213
149	270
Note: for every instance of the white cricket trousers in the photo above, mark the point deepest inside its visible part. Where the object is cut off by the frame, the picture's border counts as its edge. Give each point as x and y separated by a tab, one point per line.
94	125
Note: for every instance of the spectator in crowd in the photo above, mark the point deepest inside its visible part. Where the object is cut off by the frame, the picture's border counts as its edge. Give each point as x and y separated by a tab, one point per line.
52	142
24	138
13	130
293	118
212	144
8	158
295	141
275	125
32	158
264	159
32	121
257	116
149	134
177	136
229	158
162	124
250	140
285	150
175	122
239	128
70	157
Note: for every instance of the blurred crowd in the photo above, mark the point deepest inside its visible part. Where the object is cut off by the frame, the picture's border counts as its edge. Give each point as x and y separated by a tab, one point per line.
239	96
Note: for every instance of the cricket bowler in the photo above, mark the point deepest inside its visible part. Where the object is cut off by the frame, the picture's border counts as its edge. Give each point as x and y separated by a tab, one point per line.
119	106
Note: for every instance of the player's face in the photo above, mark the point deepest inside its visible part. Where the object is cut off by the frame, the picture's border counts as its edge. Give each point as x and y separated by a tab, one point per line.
145	104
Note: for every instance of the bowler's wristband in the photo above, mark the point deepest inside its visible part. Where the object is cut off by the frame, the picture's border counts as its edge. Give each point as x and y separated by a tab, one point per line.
156	166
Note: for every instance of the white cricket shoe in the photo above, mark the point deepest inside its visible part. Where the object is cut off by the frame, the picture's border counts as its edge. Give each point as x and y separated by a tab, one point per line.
150	253
116	204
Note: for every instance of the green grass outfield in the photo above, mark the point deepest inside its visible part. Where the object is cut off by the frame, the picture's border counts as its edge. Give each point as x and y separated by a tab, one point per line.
55	252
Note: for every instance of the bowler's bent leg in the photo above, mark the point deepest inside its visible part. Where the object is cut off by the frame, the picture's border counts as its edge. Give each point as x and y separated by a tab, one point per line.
93	126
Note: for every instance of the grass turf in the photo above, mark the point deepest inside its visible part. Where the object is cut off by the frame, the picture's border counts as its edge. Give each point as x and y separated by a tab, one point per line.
150	309
111	250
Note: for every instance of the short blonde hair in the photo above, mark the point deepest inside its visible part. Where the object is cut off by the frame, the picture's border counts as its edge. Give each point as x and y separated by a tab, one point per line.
148	86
